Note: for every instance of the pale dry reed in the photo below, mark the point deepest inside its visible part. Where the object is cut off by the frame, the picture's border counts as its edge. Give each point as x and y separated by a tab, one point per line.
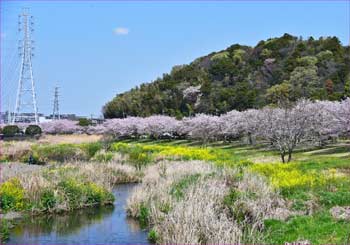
12	150
202	215
13	169
156	183
199	218
69	138
37	180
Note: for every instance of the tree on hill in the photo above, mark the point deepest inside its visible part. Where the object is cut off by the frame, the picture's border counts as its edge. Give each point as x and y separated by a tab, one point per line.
242	77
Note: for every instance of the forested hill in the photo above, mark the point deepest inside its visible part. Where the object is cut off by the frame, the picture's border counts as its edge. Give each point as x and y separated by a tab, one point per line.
242	77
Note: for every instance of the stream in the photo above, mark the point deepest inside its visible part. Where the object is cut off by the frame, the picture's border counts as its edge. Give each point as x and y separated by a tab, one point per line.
97	225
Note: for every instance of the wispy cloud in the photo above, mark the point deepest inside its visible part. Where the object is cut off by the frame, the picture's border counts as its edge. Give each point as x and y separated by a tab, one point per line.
121	31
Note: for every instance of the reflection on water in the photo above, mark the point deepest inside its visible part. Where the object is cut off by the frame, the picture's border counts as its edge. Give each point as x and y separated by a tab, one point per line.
99	225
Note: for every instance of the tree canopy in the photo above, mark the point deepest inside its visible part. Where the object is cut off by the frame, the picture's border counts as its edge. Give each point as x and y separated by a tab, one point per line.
242	77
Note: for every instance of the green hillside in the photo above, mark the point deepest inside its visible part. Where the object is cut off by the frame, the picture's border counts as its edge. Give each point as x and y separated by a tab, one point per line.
242	77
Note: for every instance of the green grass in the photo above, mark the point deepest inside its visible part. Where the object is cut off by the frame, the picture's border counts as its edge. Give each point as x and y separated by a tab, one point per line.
320	228
318	175
143	215
5	227
177	189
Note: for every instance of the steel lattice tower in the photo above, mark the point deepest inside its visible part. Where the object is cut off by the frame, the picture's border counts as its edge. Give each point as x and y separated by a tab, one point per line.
26	106
56	112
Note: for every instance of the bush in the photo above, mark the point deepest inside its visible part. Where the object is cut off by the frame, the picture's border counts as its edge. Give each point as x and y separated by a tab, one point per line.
139	158
4	230
84	122
79	194
103	157
31	158
73	191
10	130
153	236
47	199
90	149
32	130
58	153
143	215
97	195
12	195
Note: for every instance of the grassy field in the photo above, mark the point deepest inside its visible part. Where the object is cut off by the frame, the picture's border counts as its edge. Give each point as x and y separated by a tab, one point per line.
260	201
316	181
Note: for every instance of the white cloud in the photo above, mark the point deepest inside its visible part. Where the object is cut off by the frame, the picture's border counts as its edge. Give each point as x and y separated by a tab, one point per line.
121	31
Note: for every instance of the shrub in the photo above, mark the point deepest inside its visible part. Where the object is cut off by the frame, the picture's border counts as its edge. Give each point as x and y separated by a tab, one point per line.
12	195
153	236
73	191
139	158
84	122
143	215
97	195
31	157
32	130
103	156
79	194
91	148
47	199
10	130
4	230
58	153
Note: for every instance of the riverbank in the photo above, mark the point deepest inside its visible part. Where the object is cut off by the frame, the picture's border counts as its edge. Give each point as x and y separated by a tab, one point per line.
83	225
58	188
243	189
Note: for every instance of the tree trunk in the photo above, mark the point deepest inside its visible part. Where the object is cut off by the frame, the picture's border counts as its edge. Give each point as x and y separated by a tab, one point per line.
282	156
289	156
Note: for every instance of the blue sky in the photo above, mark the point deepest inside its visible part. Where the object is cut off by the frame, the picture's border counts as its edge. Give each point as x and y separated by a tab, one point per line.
94	50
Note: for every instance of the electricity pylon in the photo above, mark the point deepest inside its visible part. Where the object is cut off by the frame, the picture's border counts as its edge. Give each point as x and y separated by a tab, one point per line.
56	111
26	96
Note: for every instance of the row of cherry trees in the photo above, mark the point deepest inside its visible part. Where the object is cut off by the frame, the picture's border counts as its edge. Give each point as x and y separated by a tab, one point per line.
283	128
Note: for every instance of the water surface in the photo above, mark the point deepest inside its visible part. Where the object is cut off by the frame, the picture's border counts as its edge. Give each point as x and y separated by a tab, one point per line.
98	225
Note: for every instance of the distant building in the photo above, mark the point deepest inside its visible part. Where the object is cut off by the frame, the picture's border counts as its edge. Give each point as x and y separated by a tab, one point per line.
28	118
65	116
6	118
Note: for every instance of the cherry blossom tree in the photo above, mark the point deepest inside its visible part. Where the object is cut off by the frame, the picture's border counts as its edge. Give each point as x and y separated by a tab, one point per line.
203	127
60	127
232	126
250	124
125	127
341	115
288	127
159	125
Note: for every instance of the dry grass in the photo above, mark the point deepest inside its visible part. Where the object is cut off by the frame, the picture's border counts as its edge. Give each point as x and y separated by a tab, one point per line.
13	169
18	150
203	215
156	183
14	149
35	180
69	139
199	218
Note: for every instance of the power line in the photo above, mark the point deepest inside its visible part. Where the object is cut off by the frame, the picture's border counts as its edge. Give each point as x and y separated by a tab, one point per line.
26	96
56	111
